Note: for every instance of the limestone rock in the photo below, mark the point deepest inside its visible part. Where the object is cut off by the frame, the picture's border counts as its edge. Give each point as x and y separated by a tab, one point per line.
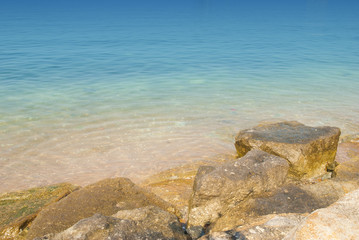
348	159
156	219
292	197
143	223
228	235
218	189
267	227
309	150
175	185
338	221
289	198
19	209
105	197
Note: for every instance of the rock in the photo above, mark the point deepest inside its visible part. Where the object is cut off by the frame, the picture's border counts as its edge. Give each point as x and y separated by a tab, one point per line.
229	235
156	219
263	228
105	197
338	221
175	185
348	159
298	197
19	209
353	138
309	150
219	189
289	198
143	223
293	197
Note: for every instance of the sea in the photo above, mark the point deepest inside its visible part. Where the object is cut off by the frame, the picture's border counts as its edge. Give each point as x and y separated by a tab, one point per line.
97	89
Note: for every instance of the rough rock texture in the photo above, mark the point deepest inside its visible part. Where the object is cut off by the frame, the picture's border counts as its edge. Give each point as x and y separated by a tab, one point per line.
348	159
338	221
105	197
228	235
142	223
175	185
268	227
19	209
298	197
310	150
219	189
289	198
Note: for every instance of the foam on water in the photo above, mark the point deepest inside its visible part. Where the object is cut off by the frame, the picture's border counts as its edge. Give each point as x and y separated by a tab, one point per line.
97	91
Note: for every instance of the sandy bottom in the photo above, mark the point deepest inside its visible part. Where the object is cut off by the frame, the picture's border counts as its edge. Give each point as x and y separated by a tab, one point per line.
83	152
102	150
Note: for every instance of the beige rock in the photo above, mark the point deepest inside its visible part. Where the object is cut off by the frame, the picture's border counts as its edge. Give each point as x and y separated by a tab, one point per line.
338	221
176	185
269	227
143	223
105	197
309	150
348	159
289	198
297	197
219	189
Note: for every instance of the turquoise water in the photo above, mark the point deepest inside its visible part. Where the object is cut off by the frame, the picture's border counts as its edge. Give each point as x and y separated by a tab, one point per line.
91	90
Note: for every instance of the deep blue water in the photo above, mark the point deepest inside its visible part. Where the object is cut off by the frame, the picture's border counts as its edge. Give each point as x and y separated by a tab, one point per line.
126	76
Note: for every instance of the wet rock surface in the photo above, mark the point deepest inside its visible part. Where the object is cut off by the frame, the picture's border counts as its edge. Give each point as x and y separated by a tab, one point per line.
19	209
309	150
142	223
348	159
105	197
218	189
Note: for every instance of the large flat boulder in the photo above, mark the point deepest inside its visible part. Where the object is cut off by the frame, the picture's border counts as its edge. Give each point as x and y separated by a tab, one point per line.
143	223
310	151
105	197
219	189
338	221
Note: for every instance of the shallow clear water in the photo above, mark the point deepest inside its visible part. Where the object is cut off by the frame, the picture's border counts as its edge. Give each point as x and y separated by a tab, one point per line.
90	90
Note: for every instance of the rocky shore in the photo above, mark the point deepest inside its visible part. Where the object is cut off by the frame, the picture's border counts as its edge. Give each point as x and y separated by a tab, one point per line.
288	181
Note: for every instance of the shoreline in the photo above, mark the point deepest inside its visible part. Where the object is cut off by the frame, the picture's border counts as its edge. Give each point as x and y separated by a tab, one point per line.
143	179
148	178
239	185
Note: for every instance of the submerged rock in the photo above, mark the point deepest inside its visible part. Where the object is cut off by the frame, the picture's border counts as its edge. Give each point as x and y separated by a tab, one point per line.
19	209
338	221
309	150
219	189
348	159
105	197
142	223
